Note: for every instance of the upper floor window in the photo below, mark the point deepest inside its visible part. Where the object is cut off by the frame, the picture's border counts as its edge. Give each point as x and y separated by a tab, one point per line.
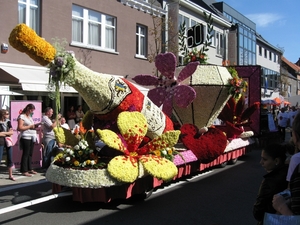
266	53
259	50
213	38
270	55
90	27
220	43
29	13
141	41
183	19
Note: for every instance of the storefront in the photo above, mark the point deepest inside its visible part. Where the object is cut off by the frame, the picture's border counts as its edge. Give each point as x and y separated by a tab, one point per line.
31	83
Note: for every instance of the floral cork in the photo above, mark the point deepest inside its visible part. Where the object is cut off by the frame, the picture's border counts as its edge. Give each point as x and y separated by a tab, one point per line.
24	39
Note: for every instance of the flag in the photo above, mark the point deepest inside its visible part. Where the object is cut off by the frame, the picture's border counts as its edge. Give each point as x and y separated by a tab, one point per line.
266	83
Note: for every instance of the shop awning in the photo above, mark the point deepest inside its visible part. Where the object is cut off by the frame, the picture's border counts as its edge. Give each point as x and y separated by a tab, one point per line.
31	78
9	93
35	78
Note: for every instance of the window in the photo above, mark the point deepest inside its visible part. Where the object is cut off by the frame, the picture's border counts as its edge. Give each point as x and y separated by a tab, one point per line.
213	38
283	87
247	45
29	14
259	50
219	43
141	41
275	57
93	28
193	22
271	80
270	55
266	53
184	19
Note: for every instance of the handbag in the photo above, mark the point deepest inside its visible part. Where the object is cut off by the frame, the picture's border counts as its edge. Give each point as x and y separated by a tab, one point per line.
275	219
8	141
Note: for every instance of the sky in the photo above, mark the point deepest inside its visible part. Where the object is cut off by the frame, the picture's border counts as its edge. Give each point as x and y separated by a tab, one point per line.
277	21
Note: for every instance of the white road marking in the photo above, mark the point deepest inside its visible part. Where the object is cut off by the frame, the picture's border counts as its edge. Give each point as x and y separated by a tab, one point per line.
34	202
180	182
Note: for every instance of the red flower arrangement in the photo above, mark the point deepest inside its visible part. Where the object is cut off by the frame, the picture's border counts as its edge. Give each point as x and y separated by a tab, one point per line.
206	146
237	84
236	116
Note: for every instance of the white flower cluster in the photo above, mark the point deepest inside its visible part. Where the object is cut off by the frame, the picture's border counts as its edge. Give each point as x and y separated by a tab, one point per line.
82	145
92	178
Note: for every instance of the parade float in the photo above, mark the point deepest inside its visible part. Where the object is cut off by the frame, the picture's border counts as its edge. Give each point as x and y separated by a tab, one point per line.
129	143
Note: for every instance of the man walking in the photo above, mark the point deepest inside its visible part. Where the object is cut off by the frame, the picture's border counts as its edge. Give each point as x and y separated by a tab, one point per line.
283	119
48	136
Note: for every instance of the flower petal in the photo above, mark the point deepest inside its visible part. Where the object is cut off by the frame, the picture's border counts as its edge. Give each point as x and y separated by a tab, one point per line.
167	139
158	167
187	71
65	136
166	64
184	95
168	105
157	95
111	139
123	168
146	80
133	127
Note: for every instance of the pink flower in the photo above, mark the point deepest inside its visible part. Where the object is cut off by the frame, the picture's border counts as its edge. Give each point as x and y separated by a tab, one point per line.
168	88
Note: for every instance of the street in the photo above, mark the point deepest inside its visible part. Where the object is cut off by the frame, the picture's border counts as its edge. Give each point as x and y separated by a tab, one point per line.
221	196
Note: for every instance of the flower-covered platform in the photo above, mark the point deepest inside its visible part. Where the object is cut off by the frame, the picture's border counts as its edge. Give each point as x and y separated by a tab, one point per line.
98	186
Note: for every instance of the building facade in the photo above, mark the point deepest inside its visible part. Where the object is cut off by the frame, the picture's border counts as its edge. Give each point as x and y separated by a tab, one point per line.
193	13
269	58
242	37
111	37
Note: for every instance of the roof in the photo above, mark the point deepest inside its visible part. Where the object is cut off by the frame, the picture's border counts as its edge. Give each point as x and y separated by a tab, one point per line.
290	64
261	39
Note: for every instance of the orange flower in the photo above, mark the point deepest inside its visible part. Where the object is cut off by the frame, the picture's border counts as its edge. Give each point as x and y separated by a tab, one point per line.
76	130
82	130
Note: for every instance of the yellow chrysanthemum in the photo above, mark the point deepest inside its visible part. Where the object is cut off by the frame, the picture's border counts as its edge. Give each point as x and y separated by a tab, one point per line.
124	169
111	139
158	167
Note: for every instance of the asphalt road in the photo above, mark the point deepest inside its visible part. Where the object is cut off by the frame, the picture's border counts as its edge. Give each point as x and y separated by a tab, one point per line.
221	196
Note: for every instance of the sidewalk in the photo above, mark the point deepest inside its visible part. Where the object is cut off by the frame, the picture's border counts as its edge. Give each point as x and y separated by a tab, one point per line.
20	179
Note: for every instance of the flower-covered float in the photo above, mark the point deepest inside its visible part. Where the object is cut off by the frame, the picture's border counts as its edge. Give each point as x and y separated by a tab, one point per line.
126	138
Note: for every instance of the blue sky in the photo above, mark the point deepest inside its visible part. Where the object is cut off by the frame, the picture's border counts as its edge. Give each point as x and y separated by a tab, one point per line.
278	21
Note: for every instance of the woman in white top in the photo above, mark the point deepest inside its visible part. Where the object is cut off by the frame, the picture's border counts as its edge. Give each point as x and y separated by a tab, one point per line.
79	114
27	139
